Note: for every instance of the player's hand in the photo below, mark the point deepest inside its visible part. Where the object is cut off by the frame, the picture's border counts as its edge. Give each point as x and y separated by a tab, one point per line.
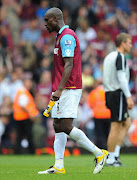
130	103
56	95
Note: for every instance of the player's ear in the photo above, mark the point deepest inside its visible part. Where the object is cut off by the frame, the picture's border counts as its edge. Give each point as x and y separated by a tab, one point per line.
55	19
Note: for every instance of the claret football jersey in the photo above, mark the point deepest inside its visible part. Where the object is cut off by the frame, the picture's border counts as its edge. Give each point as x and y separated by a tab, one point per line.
67	45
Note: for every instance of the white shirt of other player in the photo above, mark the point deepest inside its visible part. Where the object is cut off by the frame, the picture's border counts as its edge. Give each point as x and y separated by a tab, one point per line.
116	73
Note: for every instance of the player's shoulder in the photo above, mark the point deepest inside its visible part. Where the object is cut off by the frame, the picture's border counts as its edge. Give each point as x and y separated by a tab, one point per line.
69	31
68	37
111	55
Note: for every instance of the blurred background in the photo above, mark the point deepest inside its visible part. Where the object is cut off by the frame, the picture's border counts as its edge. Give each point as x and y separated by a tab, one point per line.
26	52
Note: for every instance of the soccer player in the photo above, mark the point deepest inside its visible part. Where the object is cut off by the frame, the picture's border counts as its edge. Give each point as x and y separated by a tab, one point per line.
67	86
118	96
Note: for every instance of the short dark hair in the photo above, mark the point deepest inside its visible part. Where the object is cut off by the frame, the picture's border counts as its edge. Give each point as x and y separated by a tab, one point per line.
55	12
122	37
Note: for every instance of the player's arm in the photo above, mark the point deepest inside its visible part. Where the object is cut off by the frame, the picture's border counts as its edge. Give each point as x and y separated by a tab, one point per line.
120	65
66	72
68	45
65	76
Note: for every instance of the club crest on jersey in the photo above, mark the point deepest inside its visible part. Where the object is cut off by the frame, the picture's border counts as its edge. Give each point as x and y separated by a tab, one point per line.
68	51
68	43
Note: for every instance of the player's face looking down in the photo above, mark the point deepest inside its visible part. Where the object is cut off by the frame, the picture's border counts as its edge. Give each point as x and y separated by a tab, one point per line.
50	22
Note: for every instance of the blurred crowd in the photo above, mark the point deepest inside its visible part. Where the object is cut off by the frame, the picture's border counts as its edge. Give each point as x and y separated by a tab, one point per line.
26	51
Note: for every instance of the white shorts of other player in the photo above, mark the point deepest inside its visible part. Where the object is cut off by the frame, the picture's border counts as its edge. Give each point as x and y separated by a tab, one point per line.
67	105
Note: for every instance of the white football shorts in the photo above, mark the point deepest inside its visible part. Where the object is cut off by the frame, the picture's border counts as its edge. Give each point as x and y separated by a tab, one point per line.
67	105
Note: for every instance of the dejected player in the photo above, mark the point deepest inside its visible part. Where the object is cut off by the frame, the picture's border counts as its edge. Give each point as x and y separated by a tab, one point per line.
67	86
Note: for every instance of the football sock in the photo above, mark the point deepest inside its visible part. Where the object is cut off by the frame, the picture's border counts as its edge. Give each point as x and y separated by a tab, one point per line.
59	148
117	150
79	136
111	158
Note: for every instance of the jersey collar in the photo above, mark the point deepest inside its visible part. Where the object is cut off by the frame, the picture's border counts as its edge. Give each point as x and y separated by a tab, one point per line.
60	31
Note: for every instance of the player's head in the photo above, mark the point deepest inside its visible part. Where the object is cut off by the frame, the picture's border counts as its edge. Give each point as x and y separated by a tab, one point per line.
53	17
124	41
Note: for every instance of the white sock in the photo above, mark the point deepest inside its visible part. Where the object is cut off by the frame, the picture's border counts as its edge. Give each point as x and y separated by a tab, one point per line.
111	158
59	148
117	150
84	142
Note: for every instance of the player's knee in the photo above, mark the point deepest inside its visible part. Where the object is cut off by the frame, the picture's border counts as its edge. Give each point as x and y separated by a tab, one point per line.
61	127
128	123
58	127
67	130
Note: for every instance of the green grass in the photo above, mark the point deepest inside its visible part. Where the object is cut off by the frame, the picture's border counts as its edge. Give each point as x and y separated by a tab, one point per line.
25	167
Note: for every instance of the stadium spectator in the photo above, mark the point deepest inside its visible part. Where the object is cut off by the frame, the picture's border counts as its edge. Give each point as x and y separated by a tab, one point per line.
28	11
124	5
72	5
15	84
10	11
31	34
6	111
24	113
6	38
87	79
96	101
99	44
4	120
85	12
19	72
100	8
42	9
129	23
44	86
44	66
85	33
4	86
96	69
5	60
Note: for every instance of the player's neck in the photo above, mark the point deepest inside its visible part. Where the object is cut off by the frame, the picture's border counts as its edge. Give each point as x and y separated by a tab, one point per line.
121	50
60	25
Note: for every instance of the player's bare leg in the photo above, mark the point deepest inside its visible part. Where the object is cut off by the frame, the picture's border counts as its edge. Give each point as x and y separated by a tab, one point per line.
116	136
113	136
112	141
123	131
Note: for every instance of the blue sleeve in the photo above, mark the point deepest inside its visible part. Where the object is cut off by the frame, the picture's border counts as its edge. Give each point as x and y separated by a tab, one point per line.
68	44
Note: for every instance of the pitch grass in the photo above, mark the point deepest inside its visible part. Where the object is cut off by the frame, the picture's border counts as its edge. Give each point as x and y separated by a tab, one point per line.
25	167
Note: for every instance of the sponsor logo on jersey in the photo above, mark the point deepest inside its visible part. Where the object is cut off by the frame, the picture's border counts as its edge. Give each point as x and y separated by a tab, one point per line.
68	43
